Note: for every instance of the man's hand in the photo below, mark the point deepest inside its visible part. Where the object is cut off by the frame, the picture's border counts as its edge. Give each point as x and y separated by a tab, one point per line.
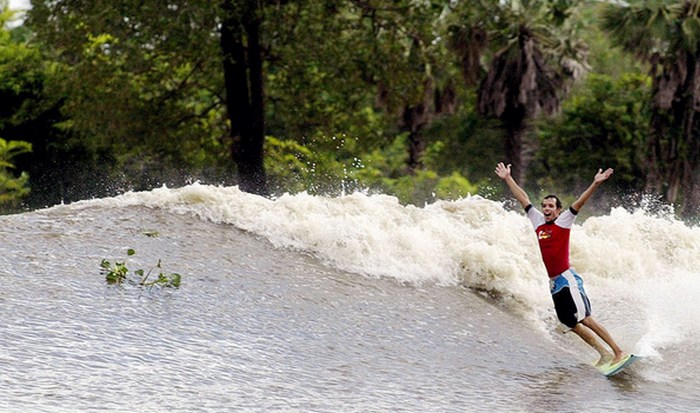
599	178
602	176
502	171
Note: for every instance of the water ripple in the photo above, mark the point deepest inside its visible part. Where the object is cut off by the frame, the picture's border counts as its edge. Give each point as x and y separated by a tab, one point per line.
252	329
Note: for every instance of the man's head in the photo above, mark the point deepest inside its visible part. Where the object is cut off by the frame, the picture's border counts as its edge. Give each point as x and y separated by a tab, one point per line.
551	207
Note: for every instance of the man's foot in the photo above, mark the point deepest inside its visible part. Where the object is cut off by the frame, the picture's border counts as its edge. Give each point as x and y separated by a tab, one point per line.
605	359
618	358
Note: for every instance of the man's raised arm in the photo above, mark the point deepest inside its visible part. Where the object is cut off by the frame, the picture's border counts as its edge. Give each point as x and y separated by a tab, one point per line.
599	178
503	172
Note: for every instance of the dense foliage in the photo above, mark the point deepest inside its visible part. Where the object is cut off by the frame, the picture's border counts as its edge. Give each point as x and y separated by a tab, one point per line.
414	98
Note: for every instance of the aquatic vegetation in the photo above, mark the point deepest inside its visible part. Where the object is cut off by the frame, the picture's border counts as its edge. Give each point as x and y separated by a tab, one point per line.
118	273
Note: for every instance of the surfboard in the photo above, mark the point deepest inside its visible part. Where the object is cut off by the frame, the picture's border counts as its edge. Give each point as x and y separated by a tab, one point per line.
612	369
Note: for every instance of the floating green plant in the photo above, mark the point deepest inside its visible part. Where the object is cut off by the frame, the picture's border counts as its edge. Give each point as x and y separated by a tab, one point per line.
118	273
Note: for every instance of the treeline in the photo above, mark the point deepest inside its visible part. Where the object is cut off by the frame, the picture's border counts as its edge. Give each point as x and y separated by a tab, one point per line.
414	98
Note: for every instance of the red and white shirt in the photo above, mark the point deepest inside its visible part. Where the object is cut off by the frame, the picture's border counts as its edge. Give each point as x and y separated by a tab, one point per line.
553	238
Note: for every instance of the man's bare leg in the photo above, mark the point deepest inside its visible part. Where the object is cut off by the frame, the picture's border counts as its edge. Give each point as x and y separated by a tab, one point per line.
587	335
603	334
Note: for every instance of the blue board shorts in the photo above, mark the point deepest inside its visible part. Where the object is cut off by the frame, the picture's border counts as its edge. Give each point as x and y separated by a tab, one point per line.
570	300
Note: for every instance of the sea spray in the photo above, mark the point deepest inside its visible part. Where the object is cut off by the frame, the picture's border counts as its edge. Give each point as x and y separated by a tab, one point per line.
640	268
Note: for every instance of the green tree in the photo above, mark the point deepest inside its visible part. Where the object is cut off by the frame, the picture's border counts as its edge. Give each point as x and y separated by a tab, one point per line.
537	51
18	75
60	168
380	73
666	34
321	80
410	67
144	80
12	187
598	127
152	79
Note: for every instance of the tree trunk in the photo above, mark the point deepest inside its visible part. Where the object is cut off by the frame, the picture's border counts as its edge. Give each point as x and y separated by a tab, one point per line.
664	157
243	77
663	169
414	119
674	146
516	149
691	129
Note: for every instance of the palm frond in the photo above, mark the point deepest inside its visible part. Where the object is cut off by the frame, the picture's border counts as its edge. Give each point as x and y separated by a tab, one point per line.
651	27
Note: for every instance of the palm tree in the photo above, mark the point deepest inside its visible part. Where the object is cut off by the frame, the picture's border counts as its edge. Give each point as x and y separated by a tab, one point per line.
666	34
529	74
409	65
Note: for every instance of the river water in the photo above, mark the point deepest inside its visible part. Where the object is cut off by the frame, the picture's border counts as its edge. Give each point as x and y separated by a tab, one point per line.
345	304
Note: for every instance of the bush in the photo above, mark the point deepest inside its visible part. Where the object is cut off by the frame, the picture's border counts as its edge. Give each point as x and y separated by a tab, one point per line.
12	188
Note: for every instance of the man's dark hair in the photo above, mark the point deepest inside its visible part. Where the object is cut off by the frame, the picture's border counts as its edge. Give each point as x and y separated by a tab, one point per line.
554	197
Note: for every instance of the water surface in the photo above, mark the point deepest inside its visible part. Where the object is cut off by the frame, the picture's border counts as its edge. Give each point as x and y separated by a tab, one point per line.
352	304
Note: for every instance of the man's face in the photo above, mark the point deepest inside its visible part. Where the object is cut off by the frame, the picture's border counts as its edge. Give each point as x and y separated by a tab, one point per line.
549	209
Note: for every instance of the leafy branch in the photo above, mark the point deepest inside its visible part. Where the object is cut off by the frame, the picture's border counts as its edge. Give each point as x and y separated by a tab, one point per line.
118	273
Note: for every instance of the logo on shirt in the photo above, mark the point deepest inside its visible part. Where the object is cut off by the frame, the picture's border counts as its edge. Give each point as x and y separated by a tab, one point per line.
544	234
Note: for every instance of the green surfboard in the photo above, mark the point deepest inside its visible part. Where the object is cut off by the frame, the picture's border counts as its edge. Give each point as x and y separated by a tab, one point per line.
612	369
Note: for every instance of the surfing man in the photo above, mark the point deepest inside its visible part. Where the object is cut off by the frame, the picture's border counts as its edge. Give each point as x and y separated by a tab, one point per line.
553	228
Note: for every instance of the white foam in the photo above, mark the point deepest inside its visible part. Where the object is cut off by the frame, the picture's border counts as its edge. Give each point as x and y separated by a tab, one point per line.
640	269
